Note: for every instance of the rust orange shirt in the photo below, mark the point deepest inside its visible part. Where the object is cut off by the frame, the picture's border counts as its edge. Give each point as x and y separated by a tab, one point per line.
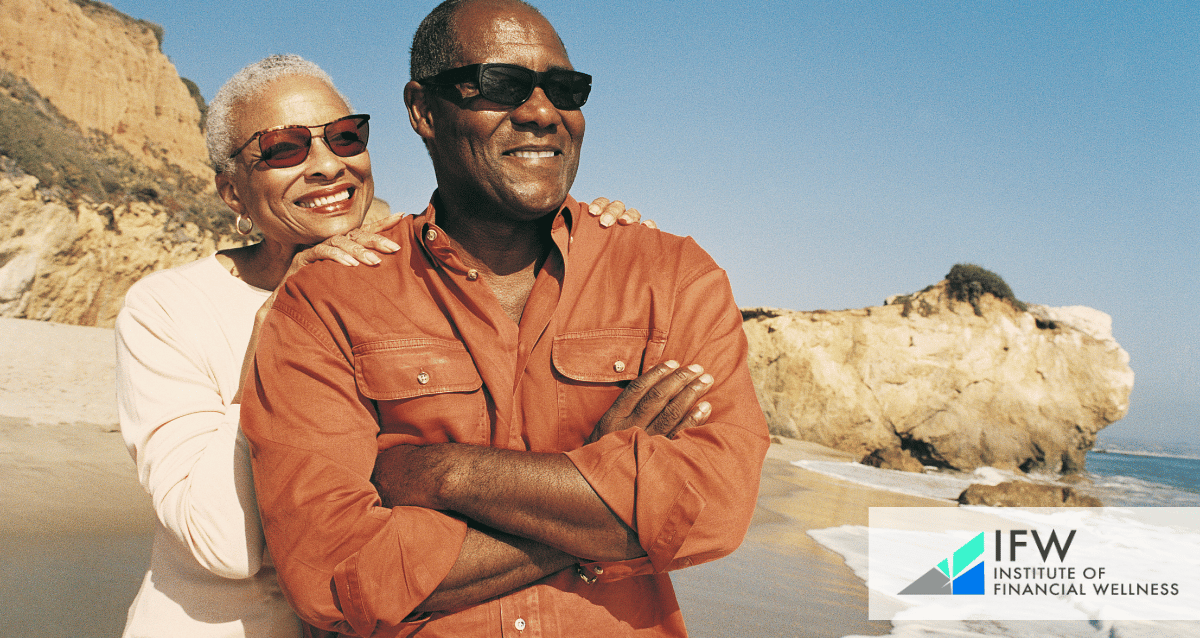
418	350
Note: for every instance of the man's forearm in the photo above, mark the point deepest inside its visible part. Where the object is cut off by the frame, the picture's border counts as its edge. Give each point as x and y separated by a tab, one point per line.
537	496
492	564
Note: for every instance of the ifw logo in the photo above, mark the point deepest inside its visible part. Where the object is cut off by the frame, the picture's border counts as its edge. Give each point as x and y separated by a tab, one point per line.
955	575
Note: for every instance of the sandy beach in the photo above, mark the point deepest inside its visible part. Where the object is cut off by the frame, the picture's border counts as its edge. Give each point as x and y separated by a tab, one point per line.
75	525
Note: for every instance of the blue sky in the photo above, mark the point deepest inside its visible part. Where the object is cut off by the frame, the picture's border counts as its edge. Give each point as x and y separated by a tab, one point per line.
830	154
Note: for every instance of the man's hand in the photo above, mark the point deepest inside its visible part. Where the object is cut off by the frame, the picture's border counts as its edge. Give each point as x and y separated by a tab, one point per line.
661	401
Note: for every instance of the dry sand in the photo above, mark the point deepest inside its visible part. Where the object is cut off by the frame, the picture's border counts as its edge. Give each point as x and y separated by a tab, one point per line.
75	525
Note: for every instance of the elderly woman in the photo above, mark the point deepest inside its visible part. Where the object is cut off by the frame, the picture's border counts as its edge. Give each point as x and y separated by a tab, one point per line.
291	160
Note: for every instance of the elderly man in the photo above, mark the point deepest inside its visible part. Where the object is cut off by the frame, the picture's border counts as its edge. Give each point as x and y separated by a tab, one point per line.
510	379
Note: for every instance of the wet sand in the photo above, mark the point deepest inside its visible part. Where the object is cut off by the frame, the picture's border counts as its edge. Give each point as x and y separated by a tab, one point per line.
75	525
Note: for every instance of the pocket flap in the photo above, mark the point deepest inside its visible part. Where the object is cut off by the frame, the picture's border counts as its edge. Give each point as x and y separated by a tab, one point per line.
601	356
406	368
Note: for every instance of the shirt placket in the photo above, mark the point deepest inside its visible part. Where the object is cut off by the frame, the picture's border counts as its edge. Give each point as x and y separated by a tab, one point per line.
520	615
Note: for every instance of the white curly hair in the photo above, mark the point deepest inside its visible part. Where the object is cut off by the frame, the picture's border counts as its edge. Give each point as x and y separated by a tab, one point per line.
243	87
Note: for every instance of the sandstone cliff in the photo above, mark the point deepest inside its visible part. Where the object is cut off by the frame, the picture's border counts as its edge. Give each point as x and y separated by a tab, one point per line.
105	71
103	174
927	374
73	262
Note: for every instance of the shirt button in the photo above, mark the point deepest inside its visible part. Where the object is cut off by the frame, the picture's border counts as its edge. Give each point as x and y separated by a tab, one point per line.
619	366
423	378
598	569
472	274
430	235
520	624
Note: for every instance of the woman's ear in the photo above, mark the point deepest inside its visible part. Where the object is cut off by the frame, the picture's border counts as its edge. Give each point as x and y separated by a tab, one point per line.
228	192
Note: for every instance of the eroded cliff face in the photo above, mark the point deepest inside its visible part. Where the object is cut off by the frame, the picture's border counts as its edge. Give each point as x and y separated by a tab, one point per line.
73	263
104	70
1008	389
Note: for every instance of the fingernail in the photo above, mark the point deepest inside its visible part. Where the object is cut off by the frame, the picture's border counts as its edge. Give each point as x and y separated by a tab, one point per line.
607	220
390	245
672	364
348	261
650	223
706	378
704	407
372	258
593	209
695	367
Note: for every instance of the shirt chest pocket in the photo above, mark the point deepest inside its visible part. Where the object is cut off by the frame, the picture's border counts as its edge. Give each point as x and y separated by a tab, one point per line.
426	390
592	368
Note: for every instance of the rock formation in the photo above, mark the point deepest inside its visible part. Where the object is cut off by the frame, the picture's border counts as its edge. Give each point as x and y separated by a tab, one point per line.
1024	494
106	72
926	374
103	170
72	263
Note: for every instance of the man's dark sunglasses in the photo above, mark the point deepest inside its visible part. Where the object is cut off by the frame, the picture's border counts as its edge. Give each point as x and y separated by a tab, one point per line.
511	85
287	146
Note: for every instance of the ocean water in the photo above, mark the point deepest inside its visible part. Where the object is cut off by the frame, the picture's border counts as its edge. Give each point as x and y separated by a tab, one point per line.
1124	477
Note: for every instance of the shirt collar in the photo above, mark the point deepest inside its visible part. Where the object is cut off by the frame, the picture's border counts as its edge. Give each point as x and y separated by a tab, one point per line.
437	244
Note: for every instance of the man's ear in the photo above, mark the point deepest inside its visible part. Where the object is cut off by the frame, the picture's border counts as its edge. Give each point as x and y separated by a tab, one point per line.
228	192
418	100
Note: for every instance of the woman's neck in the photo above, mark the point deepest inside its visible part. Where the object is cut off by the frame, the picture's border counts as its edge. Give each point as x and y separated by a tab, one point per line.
262	265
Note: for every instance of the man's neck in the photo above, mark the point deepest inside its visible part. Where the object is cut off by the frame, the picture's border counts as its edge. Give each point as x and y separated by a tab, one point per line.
507	253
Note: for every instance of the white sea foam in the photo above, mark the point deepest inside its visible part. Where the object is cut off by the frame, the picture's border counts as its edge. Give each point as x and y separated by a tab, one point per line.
1162	544
931	484
1117	491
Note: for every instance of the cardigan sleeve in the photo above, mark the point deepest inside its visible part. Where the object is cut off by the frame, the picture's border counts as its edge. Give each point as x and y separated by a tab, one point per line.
179	425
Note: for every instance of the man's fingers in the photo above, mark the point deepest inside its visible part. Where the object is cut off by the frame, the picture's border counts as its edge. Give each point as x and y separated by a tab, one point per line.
627	401
679	410
668	399
697	416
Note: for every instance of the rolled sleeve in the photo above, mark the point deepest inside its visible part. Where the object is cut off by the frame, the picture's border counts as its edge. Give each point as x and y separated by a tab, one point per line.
690	498
344	562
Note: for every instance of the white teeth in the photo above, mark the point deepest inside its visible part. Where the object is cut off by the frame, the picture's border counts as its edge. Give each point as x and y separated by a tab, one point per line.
325	201
533	154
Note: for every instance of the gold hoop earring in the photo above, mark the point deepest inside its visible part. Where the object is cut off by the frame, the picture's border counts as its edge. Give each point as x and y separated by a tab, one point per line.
248	228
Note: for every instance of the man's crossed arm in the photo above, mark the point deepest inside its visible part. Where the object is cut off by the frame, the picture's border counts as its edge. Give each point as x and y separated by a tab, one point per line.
533	514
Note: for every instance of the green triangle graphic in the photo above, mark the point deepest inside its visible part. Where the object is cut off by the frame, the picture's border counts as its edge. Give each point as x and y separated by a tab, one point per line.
965	555
945	567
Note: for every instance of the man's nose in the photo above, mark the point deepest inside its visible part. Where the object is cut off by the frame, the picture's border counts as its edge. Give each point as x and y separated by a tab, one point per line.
537	111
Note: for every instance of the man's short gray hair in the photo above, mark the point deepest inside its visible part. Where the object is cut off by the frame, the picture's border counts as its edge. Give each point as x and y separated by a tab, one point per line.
435	46
244	86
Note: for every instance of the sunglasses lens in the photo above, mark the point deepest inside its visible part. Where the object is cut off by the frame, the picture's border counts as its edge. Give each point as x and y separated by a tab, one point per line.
507	85
347	137
284	148
567	89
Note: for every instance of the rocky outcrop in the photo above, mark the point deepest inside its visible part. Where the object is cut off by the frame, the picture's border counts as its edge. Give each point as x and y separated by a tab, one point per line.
103	171
106	72
1024	494
893	459
1012	389
73	263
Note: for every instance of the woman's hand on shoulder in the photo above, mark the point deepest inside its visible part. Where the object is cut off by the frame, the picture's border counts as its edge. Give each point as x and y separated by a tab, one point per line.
358	246
613	212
